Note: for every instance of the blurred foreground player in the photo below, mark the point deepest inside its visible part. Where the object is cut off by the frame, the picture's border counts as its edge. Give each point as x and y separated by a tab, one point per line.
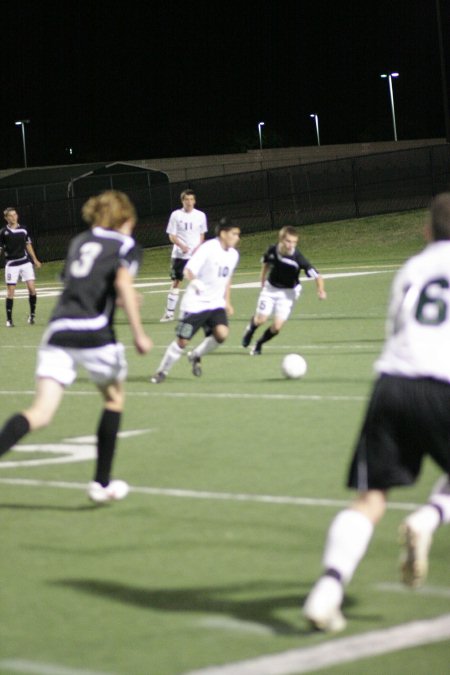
407	418
98	271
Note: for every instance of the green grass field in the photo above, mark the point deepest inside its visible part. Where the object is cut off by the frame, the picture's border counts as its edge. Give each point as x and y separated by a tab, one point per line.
235	477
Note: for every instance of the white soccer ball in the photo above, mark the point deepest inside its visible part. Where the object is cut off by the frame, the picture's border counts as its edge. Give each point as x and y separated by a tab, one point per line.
294	366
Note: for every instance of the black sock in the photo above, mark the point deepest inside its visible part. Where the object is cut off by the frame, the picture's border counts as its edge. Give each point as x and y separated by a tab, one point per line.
107	431
9	308
33	300
266	336
14	429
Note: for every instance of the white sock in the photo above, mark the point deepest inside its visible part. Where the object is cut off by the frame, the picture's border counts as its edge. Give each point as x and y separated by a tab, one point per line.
172	300
172	355
440	497
208	345
347	541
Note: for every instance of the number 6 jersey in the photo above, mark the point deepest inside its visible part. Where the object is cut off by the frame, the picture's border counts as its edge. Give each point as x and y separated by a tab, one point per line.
418	325
83	316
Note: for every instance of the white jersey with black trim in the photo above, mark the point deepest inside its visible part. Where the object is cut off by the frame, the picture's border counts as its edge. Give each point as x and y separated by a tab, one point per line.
188	227
213	266
418	324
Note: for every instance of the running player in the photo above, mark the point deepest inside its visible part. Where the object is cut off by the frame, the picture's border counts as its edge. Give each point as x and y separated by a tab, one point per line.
407	418
282	264
206	302
98	270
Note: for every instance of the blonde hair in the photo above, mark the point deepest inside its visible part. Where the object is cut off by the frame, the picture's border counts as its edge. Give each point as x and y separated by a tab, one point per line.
110	210
287	230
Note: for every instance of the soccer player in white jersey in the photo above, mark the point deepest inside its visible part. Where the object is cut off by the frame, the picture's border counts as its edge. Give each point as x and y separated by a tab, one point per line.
186	229
408	418
206	303
20	257
282	264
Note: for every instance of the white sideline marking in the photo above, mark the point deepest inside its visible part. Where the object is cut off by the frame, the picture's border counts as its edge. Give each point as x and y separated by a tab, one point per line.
22	666
51	291
199	494
174	394
343	650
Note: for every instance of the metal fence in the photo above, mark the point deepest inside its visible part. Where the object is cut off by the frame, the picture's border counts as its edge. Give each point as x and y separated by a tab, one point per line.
263	200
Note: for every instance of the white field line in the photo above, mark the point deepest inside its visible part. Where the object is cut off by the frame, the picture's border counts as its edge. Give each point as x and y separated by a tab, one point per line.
205	495
343	650
36	668
182	394
51	291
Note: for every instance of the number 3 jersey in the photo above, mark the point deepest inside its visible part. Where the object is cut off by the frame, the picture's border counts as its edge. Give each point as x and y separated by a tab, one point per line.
83	316
418	325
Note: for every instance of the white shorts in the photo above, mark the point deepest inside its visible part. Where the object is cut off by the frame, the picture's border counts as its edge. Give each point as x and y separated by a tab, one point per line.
13	273
104	364
277	301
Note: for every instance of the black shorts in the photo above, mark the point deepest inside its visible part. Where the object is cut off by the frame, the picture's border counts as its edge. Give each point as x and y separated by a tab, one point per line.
177	266
407	419
191	323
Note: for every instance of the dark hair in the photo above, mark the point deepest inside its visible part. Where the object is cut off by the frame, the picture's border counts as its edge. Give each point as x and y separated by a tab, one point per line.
440	216
225	223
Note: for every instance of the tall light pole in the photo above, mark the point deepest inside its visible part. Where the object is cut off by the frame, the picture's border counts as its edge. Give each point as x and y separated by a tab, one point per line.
391	94
21	123
316	121
260	124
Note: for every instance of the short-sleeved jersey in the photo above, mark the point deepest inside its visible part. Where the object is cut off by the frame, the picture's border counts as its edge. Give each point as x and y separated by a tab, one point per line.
418	324
214	266
84	314
188	227
13	242
285	269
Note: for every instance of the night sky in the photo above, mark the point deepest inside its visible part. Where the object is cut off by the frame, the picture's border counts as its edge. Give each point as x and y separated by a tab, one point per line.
161	79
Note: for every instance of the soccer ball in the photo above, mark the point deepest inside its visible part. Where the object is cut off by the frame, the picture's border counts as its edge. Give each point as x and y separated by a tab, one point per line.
293	366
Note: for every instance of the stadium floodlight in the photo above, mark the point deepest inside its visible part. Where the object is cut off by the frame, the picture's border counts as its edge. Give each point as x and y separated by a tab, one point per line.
316	121
21	123
260	124
389	76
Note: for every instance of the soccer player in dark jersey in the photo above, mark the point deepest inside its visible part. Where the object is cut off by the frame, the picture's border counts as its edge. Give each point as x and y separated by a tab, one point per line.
20	257
407	419
98	272
282	264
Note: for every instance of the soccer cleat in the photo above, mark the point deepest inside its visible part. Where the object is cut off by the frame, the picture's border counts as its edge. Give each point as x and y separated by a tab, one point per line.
157	378
414	557
256	350
113	492
31	319
195	362
9	324
168	316
247	338
322	608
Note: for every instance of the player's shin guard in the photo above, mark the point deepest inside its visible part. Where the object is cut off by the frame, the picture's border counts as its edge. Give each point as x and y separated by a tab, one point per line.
209	344
266	336
32	300
9	308
14	429
172	355
347	541
107	431
172	300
